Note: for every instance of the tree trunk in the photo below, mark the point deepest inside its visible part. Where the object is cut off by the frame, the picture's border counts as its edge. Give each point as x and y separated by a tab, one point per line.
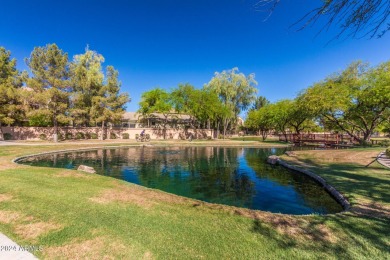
102	135
285	136
216	137
297	130
1	132
264	134
225	127
55	135
367	136
165	127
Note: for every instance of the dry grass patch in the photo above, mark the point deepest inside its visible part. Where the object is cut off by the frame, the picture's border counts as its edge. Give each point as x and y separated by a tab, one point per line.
8	217
298	228
71	174
97	248
34	230
5	197
363	157
136	195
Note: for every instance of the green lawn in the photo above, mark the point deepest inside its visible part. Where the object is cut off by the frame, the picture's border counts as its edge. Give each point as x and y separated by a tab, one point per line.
76	215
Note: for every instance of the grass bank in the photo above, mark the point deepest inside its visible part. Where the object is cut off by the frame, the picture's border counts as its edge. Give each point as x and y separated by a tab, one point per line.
76	215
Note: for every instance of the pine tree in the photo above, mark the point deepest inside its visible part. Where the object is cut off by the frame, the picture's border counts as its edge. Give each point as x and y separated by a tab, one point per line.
109	105
87	80
50	84
10	83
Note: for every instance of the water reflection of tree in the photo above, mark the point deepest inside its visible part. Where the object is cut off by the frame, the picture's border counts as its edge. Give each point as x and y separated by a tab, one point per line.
207	173
212	174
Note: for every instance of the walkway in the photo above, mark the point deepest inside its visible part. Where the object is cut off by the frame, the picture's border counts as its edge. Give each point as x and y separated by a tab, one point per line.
10	250
384	160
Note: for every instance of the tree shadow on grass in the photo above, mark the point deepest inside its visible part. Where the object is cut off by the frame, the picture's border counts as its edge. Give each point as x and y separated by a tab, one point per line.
353	179
311	236
344	235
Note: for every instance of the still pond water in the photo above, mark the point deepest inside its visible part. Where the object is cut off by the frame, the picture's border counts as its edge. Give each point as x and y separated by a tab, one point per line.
232	176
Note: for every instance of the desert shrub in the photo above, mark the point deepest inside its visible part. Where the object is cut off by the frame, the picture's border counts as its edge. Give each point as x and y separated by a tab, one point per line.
80	135
42	137
94	136
7	136
112	136
125	136
68	136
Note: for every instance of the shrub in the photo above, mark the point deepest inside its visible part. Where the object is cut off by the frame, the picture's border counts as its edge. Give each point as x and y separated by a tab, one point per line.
384	143
388	151
68	136
87	136
112	136
125	136
42	137
7	136
80	135
94	136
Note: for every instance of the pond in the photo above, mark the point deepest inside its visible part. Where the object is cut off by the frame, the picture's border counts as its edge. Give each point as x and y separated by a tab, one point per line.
231	176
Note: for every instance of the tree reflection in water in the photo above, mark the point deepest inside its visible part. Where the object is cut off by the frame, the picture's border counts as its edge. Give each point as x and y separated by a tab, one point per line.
232	176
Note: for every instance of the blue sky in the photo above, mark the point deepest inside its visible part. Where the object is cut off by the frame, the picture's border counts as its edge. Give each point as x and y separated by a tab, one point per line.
161	43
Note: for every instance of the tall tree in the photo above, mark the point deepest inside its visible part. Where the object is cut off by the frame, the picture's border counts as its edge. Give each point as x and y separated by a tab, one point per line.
261	120
236	92
108	106
299	115
156	101
280	113
354	101
50	98
367	17
87	80
10	83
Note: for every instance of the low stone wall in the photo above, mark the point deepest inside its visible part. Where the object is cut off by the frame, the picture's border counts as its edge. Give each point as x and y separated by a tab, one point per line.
33	133
332	191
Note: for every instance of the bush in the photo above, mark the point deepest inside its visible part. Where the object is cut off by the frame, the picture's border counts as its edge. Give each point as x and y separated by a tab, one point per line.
384	143
7	136
125	136
42	137
87	136
68	136
388	151
94	136
112	136
80	135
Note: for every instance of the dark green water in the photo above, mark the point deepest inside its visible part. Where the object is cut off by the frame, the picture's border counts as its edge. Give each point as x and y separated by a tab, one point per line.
232	176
